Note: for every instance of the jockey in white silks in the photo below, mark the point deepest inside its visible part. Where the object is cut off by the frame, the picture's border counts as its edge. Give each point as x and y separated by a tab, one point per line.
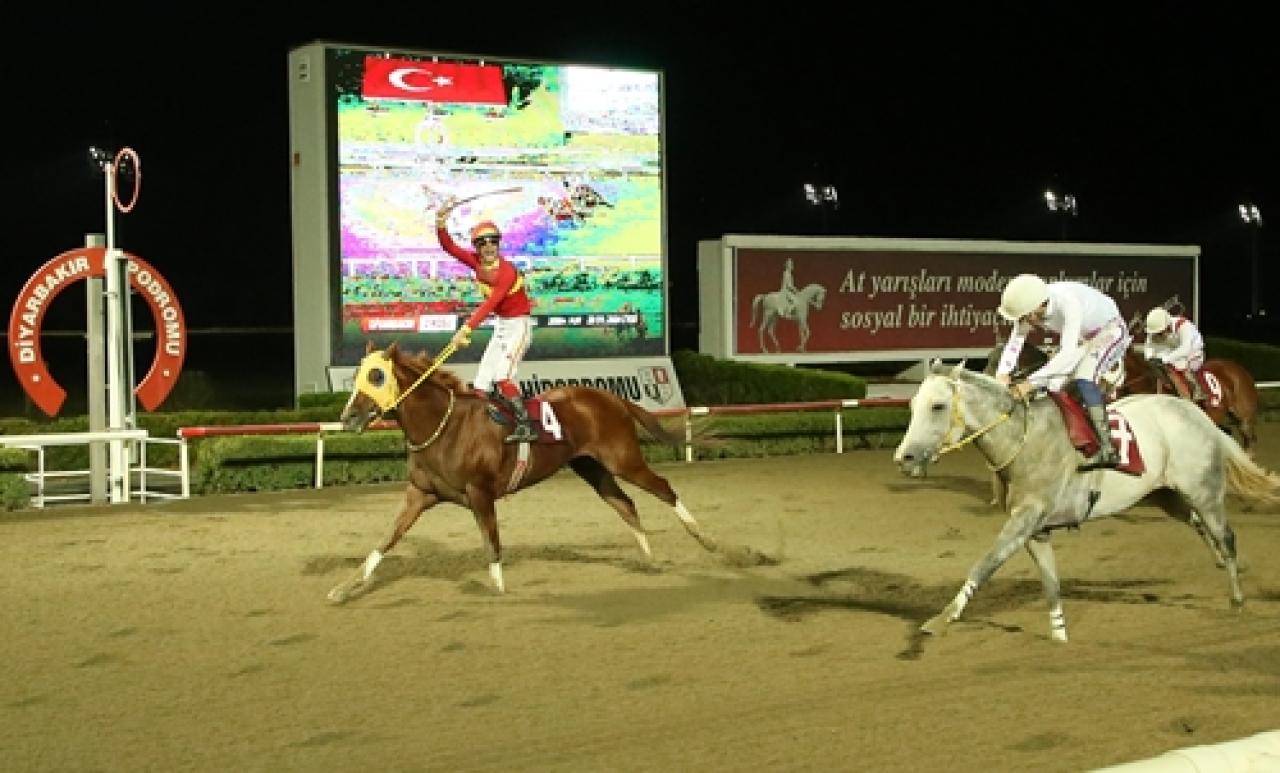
1093	336
1175	341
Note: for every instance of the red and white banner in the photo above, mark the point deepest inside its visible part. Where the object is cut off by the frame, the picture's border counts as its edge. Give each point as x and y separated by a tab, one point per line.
414	81
853	301
805	299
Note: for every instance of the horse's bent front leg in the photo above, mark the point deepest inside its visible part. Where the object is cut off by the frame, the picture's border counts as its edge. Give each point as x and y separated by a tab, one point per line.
1017	530
415	501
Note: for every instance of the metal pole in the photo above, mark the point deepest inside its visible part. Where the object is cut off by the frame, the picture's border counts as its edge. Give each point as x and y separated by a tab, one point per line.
118	468
97	379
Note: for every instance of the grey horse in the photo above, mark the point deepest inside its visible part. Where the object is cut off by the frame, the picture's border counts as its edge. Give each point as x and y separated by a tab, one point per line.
768	308
1190	465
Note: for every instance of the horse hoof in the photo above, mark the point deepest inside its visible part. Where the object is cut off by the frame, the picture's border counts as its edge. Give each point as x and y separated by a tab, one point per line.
935	626
347	591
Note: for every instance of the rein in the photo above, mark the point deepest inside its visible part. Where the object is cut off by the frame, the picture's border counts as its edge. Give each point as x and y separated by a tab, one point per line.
958	426
434	435
435	364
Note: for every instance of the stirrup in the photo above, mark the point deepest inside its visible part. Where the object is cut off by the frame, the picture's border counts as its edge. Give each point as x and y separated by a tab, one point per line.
523	433
1100	461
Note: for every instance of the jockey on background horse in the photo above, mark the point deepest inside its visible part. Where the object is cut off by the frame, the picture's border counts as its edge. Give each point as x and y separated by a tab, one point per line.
1092	336
1175	342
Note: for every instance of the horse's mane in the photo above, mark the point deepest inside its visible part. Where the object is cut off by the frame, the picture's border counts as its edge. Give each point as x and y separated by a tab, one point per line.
419	362
939	368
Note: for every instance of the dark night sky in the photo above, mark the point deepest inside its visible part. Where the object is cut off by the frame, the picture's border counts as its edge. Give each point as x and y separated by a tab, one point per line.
930	124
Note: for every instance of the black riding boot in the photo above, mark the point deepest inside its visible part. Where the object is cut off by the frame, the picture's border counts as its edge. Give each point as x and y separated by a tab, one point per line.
1106	457
1197	391
523	431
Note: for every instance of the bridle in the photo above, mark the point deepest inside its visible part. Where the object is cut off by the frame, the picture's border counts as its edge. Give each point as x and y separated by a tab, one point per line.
957	426
394	404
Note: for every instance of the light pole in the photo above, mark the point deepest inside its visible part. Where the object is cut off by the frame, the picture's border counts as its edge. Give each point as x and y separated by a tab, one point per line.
1252	216
1062	203
823	197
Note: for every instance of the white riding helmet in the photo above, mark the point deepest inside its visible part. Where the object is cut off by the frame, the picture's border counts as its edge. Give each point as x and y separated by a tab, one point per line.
1157	321
1023	294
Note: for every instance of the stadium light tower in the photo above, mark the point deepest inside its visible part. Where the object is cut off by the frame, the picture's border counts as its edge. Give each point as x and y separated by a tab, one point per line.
824	197
1252	217
1065	204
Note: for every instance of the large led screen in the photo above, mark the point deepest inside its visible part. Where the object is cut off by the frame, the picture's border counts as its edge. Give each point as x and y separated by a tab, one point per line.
566	159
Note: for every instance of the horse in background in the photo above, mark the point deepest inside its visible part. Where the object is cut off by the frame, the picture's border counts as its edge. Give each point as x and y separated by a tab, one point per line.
456	451
1231	393
1185	466
768	308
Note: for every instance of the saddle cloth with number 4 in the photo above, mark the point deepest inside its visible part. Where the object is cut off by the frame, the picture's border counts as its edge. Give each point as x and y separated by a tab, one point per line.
1086	441
540	412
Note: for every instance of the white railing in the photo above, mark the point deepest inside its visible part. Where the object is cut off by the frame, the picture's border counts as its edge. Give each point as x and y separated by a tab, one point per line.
42	475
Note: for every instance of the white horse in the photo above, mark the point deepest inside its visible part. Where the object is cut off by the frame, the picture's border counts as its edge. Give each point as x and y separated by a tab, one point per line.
770	307
1190	465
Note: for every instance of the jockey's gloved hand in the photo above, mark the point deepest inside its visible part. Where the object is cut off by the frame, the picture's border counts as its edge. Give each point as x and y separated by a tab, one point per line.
1023	390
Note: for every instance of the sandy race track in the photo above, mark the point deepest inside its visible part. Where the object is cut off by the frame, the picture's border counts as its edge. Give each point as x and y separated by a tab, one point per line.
196	635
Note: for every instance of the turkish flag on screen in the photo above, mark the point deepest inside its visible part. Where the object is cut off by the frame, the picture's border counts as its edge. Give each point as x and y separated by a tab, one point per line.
433	81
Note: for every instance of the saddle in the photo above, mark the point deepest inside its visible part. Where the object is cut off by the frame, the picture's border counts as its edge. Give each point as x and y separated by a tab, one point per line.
1210	386
1084	440
501	414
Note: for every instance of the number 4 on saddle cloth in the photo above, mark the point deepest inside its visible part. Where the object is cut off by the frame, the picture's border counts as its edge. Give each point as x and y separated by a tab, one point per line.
1086	442
543	416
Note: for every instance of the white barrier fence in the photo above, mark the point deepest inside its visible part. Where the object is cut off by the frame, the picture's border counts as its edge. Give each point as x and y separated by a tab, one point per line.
41	477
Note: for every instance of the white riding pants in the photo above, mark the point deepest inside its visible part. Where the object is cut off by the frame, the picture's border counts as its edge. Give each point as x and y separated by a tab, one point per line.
510	341
1099	354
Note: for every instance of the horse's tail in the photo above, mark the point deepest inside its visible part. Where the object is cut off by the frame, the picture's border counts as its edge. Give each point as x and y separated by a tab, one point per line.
1247	478
755	307
653	425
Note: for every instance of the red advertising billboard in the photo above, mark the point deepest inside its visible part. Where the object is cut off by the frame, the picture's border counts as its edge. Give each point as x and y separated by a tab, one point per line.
820	300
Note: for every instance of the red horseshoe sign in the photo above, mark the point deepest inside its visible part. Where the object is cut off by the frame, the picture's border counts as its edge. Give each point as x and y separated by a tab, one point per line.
58	274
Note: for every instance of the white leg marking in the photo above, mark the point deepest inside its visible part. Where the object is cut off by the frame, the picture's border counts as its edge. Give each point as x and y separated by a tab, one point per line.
371	563
1058	623
644	543
962	598
495	571
684	514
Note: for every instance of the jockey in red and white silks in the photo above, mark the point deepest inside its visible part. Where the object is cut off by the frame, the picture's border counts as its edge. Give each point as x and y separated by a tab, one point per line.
1093	336
506	298
1176	341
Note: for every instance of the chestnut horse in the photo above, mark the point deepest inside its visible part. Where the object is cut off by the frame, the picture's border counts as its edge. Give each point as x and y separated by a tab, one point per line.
457	454
1237	410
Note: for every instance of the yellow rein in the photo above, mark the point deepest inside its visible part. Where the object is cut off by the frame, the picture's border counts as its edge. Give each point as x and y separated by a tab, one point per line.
443	421
444	355
957	423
